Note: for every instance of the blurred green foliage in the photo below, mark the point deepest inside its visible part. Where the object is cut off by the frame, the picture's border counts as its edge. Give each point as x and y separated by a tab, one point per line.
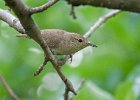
111	72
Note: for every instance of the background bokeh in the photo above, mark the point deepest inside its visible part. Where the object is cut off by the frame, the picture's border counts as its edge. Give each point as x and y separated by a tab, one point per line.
111	71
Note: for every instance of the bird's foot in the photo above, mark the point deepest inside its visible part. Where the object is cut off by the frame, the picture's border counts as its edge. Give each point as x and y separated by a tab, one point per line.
62	61
70	58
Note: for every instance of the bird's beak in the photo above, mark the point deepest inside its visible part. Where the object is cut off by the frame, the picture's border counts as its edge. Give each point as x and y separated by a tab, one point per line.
91	44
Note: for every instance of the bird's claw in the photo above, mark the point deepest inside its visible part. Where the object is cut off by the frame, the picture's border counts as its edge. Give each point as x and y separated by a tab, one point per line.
70	58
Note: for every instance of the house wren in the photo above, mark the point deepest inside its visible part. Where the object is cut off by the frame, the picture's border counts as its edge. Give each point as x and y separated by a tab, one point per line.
61	42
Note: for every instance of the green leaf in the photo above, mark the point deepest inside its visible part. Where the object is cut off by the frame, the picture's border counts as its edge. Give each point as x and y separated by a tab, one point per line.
125	92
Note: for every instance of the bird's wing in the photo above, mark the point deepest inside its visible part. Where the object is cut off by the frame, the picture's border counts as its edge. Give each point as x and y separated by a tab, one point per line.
53	37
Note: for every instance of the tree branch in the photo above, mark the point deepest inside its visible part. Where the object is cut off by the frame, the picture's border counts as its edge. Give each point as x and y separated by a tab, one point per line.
33	32
11	20
126	5
10	91
20	9
79	88
100	21
68	84
43	7
40	68
66	94
72	13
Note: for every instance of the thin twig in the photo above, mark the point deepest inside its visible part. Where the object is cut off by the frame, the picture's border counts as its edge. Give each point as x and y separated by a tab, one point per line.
66	94
100	21
40	68
68	84
23	35
10	91
72	12
79	88
43	7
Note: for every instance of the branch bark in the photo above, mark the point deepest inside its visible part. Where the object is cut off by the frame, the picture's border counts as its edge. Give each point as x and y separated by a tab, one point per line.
43	7
10	91
78	89
100	21
11	20
126	5
22	12
66	94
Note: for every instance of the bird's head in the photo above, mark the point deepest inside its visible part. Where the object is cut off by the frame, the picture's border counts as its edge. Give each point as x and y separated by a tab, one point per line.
79	42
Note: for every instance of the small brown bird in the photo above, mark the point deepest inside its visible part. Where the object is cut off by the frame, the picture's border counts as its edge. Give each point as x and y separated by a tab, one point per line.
61	42
64	43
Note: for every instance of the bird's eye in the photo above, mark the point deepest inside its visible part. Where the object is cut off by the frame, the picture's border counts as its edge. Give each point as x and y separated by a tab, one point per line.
80	40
